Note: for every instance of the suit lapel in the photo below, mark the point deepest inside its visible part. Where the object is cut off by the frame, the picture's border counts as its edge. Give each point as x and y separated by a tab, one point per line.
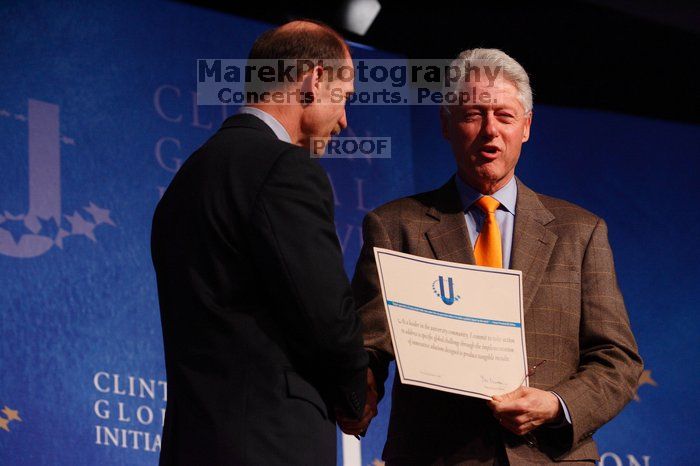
532	242
449	238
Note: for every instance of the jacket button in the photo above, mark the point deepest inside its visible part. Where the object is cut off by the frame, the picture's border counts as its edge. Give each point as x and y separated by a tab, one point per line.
530	440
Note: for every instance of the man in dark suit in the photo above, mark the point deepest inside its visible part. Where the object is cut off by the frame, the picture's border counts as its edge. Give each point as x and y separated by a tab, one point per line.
576	326
262	342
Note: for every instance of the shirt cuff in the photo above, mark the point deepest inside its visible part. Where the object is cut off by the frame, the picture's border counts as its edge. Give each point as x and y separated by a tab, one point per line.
567	416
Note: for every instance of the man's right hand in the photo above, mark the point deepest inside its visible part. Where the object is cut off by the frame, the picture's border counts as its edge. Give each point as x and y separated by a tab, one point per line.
355	426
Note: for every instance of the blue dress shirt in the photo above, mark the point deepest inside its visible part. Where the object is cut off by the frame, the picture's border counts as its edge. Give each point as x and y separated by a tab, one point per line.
505	214
270	121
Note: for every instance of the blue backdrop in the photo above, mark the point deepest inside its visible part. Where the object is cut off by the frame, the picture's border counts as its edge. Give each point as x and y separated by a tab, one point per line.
97	113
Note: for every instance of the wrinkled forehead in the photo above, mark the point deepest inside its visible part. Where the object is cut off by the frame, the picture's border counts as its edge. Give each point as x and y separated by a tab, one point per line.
496	94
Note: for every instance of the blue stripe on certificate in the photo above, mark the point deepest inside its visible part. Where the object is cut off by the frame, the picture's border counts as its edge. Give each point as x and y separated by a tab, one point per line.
475	320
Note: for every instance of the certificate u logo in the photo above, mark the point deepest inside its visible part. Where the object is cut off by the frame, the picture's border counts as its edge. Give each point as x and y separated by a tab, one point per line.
447	299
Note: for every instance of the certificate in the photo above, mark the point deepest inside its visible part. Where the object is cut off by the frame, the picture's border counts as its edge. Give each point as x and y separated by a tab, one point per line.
456	328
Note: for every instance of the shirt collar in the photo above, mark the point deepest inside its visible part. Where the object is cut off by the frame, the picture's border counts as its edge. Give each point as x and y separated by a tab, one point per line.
271	121
507	195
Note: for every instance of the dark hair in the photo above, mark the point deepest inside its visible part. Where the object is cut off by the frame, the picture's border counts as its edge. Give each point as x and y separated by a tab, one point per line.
307	39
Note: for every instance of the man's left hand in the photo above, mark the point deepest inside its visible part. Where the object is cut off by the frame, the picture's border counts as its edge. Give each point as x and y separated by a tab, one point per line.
351	426
525	409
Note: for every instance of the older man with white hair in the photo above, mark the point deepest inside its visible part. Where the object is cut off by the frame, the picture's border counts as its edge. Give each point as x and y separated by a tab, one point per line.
577	329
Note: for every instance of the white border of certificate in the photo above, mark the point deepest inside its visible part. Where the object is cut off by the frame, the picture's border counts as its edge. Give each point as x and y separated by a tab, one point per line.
515	320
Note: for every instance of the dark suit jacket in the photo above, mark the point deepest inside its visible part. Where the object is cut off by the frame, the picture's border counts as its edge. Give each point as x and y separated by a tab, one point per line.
259	325
575	319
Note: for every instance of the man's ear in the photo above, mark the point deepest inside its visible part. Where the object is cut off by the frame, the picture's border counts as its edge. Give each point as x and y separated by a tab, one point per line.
445	122
311	85
526	128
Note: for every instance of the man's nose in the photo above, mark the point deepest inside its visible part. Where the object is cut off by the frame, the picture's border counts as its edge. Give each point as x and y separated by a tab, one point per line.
489	127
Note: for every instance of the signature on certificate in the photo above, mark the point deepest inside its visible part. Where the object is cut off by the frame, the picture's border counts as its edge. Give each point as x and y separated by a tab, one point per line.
491	381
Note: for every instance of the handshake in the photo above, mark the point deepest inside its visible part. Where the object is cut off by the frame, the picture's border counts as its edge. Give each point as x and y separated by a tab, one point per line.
356	427
519	411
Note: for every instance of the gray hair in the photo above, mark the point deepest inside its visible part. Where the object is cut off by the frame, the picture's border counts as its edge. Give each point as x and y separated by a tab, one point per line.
511	70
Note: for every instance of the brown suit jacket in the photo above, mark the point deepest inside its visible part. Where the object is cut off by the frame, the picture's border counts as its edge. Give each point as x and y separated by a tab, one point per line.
575	319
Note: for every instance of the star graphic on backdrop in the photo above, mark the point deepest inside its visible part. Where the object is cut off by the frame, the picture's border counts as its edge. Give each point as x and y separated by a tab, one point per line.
67	140
20	117
80	226
99	215
4	113
12	414
15	227
9	216
644	379
3	424
59	237
49	227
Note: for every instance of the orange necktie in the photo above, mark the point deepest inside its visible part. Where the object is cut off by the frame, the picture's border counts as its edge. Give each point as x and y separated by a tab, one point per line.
487	250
